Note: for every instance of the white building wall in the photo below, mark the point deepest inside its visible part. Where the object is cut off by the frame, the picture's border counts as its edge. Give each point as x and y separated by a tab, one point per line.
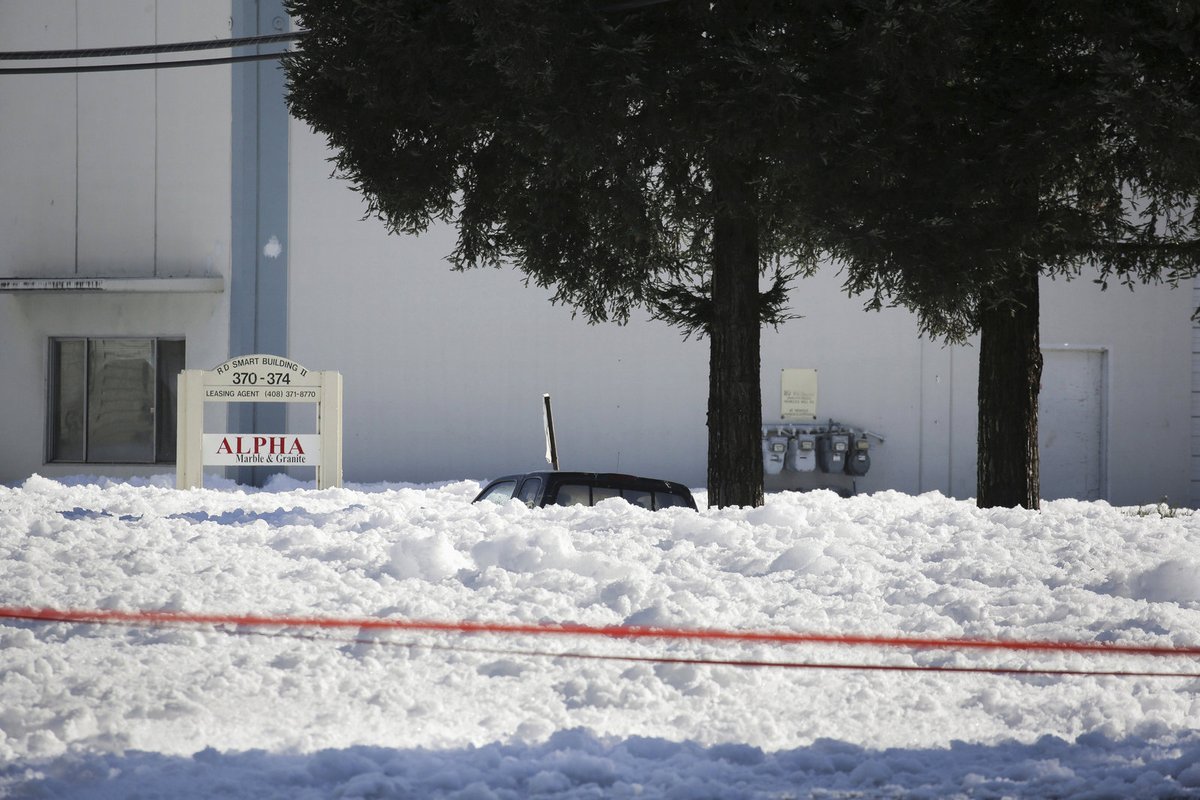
444	371
37	145
128	174
1195	465
115	152
192	148
112	174
1146	334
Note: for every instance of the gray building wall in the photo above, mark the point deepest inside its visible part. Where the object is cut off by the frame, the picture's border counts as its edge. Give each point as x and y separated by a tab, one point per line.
259	182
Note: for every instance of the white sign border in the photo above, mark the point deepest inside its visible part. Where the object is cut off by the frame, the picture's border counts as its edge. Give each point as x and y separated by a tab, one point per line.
194	384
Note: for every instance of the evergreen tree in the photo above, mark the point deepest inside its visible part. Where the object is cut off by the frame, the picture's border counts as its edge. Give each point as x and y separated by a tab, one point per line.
1044	138
671	154
629	154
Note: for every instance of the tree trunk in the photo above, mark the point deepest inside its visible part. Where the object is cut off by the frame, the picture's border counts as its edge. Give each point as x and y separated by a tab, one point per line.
1010	377
735	470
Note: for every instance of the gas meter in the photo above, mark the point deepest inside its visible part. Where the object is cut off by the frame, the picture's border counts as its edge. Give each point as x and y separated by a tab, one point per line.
859	460
774	451
832	449
802	453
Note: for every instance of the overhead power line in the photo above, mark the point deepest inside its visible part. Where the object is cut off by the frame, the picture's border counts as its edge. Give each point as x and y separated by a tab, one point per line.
191	62
150	49
181	47
153	49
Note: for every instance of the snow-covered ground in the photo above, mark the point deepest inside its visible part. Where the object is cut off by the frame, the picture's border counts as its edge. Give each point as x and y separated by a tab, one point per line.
116	711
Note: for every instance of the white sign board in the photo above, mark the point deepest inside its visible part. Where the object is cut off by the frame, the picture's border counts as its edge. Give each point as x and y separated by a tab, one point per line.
798	394
259	378
253	450
262	379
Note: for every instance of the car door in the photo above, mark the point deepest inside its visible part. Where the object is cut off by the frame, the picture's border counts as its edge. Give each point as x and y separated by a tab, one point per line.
530	492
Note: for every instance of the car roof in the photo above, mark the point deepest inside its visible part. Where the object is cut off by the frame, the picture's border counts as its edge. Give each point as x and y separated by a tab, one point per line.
612	478
556	478
562	476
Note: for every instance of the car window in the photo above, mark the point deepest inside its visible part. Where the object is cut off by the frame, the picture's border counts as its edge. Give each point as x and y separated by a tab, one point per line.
668	500
573	494
499	492
604	493
530	490
639	497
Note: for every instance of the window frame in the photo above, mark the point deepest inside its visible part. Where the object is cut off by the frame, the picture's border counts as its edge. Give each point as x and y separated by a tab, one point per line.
161	441
492	494
530	491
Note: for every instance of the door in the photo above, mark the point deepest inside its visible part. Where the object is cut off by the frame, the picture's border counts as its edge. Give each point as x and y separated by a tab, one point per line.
1071	424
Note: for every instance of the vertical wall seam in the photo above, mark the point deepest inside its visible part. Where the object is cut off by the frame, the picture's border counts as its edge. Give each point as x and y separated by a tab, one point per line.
1106	402
1195	437
921	419
76	253
950	424
154	213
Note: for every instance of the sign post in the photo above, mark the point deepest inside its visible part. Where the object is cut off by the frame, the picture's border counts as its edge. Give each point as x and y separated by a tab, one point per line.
258	378
551	443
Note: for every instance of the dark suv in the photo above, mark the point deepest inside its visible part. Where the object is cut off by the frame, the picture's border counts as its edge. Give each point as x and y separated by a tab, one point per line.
537	489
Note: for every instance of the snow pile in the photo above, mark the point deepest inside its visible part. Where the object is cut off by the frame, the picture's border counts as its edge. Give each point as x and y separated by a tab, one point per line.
1177	580
108	711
